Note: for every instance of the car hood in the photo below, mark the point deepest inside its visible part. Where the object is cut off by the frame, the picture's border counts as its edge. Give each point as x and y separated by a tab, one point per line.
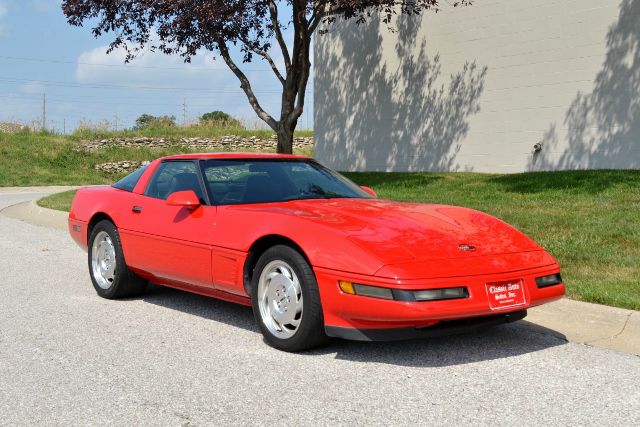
399	232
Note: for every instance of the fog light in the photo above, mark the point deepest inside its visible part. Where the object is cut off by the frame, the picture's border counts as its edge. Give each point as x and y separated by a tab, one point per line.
545	281
373	291
441	294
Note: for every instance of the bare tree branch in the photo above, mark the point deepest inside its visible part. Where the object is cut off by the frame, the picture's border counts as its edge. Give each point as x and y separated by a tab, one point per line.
304	65
273	10
245	84
321	10
264	54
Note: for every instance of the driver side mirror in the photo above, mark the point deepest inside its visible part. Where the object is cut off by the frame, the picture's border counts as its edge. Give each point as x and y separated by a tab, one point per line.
370	191
187	199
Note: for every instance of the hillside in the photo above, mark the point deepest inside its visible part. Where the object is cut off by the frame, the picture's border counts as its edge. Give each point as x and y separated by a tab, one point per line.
29	158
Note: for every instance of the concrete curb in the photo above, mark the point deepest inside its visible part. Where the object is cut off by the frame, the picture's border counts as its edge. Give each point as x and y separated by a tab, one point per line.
32	213
43	189
580	322
590	324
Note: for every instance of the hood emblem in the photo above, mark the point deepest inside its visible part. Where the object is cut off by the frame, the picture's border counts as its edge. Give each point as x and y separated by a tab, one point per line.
467	248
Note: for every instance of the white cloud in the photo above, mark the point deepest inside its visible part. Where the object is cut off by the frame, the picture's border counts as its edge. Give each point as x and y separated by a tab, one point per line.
216	87
96	65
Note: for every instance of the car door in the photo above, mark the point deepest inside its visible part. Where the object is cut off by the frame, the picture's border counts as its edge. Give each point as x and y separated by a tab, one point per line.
172	244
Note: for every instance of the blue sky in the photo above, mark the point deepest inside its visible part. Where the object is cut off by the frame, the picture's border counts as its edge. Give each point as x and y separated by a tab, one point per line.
41	53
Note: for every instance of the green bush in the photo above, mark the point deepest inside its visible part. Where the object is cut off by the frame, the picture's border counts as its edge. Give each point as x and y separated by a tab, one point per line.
147	121
219	118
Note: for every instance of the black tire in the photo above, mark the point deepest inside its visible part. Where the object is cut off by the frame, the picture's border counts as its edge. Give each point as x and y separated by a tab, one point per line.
310	333
125	283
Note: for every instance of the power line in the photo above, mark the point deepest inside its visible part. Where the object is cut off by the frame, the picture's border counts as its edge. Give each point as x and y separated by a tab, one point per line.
188	66
104	100
196	103
100	101
124	87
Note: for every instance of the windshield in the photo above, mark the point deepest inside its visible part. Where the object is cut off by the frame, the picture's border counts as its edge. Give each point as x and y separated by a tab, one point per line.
246	181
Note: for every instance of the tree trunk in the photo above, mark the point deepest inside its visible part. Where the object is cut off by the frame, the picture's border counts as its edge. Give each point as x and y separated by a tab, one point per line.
285	139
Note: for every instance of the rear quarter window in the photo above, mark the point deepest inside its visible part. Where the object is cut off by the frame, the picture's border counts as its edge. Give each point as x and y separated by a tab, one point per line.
129	182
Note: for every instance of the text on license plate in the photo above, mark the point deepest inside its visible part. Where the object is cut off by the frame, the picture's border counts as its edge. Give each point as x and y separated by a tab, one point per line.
506	294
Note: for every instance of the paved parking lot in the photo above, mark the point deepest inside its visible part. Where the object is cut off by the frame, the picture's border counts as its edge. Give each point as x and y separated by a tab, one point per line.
69	357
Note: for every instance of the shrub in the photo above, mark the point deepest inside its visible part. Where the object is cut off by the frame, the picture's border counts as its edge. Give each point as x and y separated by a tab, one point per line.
219	118
147	121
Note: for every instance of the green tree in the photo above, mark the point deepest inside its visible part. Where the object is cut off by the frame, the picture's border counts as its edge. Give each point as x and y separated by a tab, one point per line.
221	118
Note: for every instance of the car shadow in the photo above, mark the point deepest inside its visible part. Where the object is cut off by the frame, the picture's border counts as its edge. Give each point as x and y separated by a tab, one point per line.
495	343
202	306
498	342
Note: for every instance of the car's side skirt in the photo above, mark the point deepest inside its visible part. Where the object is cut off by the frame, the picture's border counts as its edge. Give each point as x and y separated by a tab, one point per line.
209	292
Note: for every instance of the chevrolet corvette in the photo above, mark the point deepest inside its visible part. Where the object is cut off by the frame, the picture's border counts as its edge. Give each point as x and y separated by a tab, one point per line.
314	254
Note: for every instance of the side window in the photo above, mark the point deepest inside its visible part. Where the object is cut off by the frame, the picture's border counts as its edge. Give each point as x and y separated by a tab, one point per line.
173	176
227	181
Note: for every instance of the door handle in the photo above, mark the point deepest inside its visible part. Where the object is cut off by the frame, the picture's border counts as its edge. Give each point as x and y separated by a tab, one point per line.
137	209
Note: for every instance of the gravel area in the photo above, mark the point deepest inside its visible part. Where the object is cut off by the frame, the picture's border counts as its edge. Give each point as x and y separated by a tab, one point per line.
68	357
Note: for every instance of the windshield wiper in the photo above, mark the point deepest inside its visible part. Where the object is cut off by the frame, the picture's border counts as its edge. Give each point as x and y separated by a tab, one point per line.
316	197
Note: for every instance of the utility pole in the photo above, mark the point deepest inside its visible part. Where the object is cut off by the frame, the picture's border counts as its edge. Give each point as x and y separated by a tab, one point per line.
184	112
64	126
116	122
44	112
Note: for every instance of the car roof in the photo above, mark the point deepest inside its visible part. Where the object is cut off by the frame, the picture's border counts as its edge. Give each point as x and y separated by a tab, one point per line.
205	156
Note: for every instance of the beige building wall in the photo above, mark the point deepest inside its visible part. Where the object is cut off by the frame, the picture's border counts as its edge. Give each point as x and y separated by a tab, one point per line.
475	88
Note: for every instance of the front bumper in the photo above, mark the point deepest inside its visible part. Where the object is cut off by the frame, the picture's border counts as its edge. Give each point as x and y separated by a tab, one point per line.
78	232
344	312
444	328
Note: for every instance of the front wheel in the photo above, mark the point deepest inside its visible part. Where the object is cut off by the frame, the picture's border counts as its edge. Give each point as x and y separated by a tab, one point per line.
286	301
109	273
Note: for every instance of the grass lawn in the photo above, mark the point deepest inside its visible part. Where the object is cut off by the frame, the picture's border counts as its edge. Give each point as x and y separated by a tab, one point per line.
588	219
29	158
59	201
200	131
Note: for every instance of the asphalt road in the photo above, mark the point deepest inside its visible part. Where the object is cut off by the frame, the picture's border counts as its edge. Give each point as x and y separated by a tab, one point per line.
68	357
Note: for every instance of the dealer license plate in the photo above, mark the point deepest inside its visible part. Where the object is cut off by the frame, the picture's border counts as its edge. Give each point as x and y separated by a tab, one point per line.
506	294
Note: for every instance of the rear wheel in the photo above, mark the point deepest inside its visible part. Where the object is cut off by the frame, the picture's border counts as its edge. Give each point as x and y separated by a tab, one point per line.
109	273
286	301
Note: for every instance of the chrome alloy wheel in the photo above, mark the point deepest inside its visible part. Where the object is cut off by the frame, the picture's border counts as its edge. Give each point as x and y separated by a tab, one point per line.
103	260
280	299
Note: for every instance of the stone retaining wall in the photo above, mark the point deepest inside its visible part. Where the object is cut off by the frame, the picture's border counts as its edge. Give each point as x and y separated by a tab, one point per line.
10	127
119	167
224	143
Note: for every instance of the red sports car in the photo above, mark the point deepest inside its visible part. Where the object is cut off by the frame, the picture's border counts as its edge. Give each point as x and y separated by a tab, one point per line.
315	255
